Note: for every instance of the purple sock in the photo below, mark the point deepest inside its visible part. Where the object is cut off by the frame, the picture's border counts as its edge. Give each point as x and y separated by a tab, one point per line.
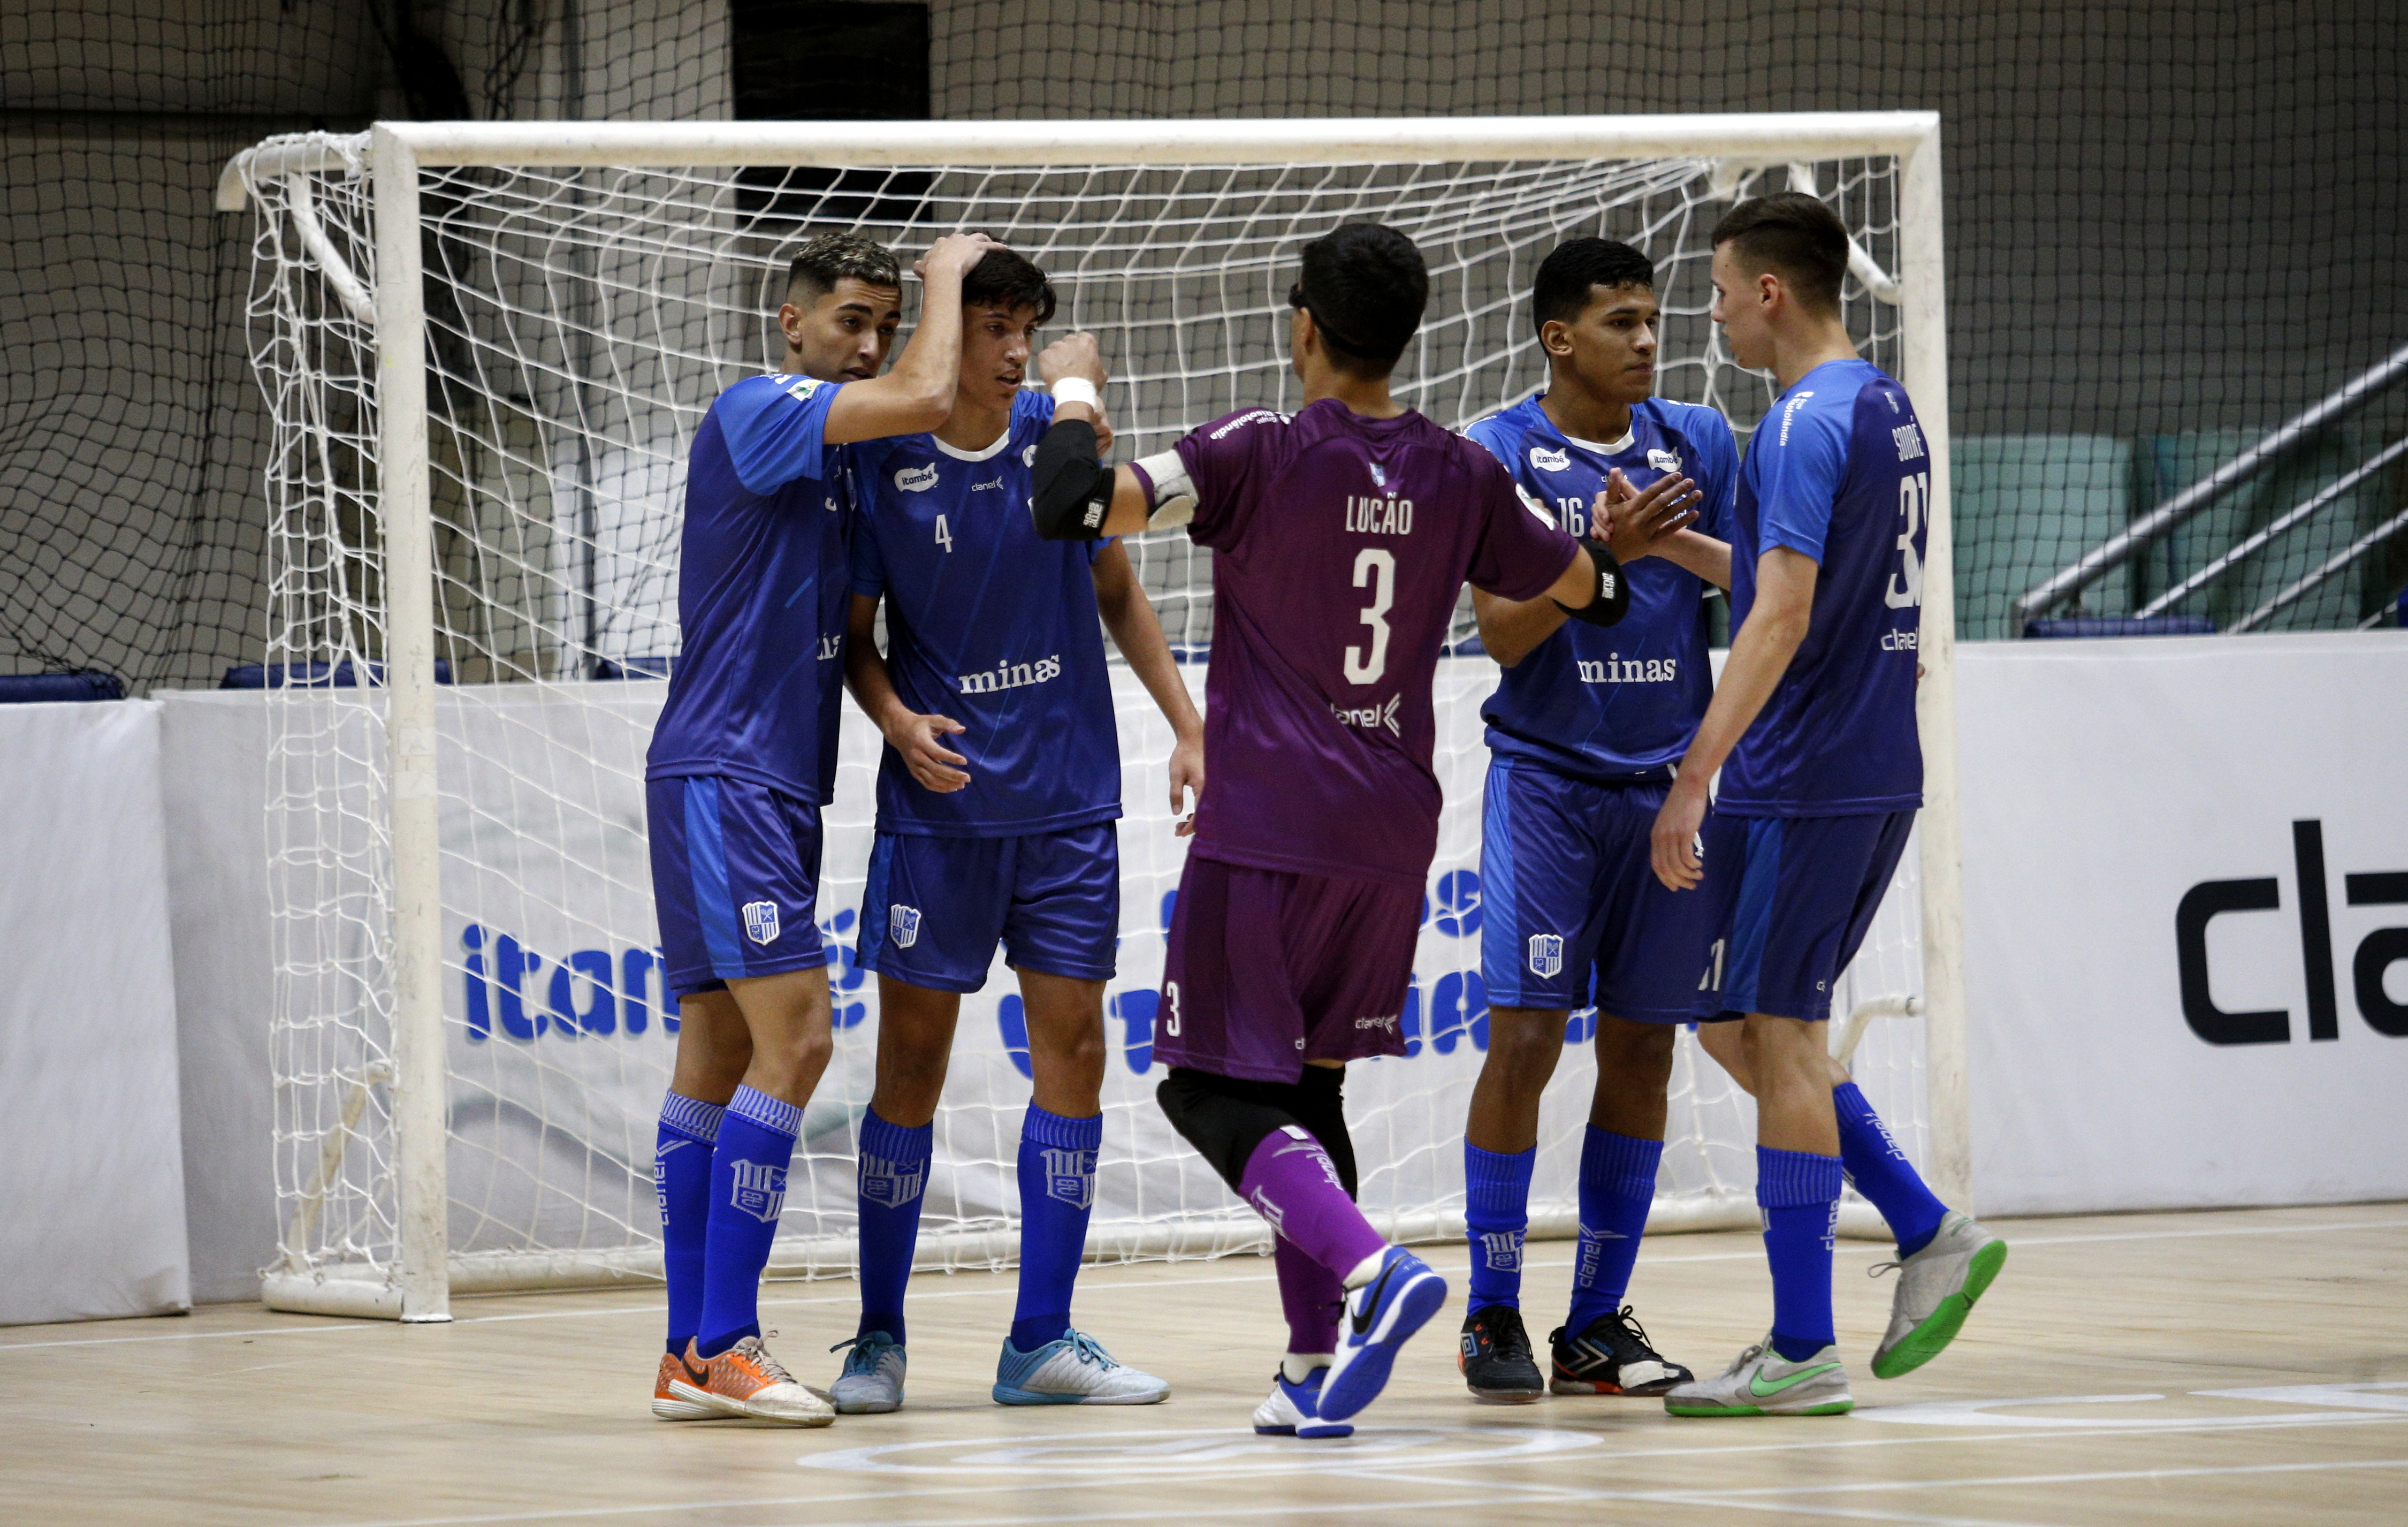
1313	1298
1291	1181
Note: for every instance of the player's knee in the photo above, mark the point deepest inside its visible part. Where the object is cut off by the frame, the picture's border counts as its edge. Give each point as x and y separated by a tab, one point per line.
1524	1043
1219	1116
1639	1055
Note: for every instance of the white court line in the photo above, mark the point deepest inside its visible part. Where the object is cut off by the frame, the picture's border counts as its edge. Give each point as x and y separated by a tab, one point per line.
2017	1243
1331	1462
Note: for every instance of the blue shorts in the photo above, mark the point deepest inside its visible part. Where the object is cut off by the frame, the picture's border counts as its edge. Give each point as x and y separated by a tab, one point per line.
1793	902
935	908
735	876
1570	908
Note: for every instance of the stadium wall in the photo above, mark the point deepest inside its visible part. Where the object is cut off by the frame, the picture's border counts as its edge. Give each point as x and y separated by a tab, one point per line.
2165	218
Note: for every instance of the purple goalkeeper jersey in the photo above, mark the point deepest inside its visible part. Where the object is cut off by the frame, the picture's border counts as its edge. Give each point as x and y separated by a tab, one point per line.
1340	545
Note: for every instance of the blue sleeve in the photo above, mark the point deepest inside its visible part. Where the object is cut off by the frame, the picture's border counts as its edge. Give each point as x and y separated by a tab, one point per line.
774	428
1492	435
1802	454
1718	458
869	567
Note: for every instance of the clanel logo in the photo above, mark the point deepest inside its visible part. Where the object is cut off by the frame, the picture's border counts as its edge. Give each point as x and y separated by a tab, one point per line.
1388	1023
1549	461
760	1189
1667	462
903	925
761	921
982	487
1071	1177
1372	717
2376	953
916	479
1546	954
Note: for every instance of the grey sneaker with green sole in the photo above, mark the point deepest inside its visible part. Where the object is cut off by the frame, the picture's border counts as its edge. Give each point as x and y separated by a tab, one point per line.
1936	1290
1762	1382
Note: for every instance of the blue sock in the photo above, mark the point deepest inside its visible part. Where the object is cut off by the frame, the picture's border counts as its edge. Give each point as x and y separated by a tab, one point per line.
893	1175
1617	1185
1799	1194
748	1188
681	1181
1058	1192
1495	1216
1882	1174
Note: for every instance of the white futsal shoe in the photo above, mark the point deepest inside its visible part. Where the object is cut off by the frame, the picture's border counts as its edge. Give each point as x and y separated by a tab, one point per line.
1936	1290
1762	1382
1071	1370
1293	1410
872	1381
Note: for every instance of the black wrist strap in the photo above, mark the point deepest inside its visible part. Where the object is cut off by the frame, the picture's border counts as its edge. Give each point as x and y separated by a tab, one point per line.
1612	600
1074	490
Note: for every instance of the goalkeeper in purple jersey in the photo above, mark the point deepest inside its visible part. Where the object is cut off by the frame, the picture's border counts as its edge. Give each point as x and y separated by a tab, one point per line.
1812	729
1341	535
999	799
741	761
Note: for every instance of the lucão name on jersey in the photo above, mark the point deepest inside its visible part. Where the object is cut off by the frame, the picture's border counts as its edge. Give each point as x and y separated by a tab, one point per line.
1380	516
1011	676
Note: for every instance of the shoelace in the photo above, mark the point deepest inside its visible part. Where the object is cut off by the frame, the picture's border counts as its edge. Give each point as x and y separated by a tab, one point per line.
1506	1337
770	1367
1629	1318
1744	1359
1087	1350
1878	1268
866	1354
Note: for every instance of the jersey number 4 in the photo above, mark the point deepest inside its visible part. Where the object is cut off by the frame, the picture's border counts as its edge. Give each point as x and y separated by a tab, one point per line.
1905	589
1377	567
944	536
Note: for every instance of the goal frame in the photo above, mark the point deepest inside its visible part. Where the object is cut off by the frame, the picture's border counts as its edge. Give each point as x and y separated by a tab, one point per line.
420	1290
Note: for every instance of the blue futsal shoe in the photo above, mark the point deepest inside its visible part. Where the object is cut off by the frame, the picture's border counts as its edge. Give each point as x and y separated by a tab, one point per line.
872	1381
1380	1316
1293	1410
1071	1370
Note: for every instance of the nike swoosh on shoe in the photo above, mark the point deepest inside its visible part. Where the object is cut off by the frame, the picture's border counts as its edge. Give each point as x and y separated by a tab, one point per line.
1758	1387
1361	1318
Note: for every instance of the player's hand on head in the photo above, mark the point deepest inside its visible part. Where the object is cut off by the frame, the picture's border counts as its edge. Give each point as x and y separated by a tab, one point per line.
1186	776
1075	355
1673	845
1631	525
952	255
918	740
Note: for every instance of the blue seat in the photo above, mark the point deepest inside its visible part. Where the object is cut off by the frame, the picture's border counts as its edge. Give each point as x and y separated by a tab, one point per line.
51	688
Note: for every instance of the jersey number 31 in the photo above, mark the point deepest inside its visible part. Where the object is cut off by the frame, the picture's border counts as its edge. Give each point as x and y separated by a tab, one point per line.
1905	590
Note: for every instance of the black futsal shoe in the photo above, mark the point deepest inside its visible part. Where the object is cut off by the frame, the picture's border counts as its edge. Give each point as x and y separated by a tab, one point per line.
1610	1357
1496	1359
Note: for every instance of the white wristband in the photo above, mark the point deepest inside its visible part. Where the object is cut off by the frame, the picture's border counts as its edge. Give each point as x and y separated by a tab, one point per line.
1078	390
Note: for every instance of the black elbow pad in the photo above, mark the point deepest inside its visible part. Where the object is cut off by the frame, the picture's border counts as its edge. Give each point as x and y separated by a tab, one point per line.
1074	490
1612	600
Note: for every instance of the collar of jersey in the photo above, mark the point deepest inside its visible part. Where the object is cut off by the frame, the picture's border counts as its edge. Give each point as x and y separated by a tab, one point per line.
1602	448
987	453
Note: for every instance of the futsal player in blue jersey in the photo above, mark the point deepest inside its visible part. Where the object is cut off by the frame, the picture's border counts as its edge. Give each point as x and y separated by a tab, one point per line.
1812	729
998	797
1583	730
741	762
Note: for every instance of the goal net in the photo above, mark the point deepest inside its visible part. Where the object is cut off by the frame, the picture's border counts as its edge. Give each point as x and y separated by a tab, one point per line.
486	348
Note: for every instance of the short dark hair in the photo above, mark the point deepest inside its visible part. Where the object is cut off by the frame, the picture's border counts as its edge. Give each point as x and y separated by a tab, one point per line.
1796	237
1008	280
828	258
1575	268
1365	286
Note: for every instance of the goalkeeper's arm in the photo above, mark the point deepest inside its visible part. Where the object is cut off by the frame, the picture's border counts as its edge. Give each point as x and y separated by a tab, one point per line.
1077	496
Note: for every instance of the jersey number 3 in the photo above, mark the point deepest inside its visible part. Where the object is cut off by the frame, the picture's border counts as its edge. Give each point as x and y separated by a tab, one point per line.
1905	587
1377	567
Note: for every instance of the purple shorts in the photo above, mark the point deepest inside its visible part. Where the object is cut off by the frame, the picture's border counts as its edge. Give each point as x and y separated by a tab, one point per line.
1267	969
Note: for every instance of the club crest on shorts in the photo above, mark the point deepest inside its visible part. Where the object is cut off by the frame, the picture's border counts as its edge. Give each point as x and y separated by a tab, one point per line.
1546	954
1070	1178
903	925
761	921
892	1184
760	1189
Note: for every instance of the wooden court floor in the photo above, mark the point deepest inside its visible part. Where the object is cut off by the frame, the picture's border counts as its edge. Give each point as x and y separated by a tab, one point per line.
2235	1367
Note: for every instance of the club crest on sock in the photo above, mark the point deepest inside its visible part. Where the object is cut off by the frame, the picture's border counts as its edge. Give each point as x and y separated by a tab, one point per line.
760	1189
892	1184
1071	1177
1271	1211
1503	1250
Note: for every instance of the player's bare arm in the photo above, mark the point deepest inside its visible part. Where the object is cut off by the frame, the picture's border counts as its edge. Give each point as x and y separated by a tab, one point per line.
1642	526
1128	616
918	393
919	738
1760	654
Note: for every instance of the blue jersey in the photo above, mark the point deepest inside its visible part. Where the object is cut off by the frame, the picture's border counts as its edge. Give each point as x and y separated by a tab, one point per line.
1622	702
991	625
754	692
1838	470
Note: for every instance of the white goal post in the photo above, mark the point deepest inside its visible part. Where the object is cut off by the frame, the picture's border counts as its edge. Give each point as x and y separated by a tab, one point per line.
401	506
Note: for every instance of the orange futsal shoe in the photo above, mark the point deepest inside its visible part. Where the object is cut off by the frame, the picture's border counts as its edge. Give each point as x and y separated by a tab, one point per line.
745	1380
666	1406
